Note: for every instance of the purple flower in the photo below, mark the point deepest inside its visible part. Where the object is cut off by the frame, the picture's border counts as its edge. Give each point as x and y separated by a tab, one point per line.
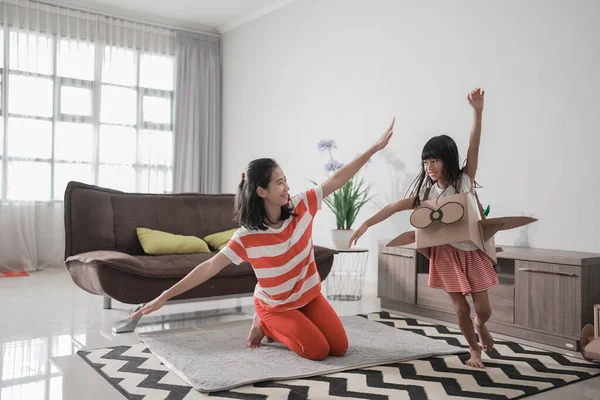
327	145
333	166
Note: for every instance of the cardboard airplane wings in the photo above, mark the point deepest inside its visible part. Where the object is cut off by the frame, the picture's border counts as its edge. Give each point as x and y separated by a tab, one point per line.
453	219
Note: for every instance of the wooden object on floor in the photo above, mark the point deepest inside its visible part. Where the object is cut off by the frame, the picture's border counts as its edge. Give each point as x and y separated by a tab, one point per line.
590	346
545	296
597	321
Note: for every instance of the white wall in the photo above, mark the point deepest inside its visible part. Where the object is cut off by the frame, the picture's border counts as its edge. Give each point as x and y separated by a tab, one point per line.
343	68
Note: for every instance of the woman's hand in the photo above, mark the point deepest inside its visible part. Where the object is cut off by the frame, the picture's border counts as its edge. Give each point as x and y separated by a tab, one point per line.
197	276
384	140
154	305
357	234
346	173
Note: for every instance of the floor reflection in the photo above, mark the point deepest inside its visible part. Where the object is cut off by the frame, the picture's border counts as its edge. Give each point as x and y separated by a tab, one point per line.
26	370
69	319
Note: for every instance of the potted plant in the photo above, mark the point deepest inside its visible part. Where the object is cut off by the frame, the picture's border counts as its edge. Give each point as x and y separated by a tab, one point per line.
346	202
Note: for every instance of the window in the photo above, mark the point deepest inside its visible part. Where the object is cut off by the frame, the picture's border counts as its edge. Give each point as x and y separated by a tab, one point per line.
76	100
76	59
29	138
29	52
118	105
73	142
156	72
20	98
85	111
119	66
118	156
157	110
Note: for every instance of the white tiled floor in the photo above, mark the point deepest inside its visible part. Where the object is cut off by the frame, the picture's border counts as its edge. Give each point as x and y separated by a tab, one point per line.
46	316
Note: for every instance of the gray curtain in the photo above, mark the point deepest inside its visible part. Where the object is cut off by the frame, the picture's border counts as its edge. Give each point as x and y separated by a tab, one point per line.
197	131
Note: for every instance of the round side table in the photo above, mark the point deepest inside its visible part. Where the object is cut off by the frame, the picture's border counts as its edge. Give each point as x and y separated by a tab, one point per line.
346	279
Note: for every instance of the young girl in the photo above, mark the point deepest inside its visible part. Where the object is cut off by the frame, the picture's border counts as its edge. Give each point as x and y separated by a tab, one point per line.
276	239
461	268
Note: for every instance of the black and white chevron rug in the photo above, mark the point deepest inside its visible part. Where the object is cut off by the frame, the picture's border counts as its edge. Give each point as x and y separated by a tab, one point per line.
512	371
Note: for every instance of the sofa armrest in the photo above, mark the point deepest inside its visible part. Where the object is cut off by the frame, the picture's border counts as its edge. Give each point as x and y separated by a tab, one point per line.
115	259
323	253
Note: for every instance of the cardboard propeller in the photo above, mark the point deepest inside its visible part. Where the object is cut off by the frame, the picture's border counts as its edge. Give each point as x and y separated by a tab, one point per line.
454	219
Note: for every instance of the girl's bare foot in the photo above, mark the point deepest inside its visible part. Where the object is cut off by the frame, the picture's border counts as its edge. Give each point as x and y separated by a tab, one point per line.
475	360
256	334
485	338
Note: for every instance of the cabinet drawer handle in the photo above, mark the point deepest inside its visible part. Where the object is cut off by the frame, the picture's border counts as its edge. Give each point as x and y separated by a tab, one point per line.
540	271
396	254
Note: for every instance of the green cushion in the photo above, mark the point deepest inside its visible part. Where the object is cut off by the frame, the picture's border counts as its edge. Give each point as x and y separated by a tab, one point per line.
219	240
157	242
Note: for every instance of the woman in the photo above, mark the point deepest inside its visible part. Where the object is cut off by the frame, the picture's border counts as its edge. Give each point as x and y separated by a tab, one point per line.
275	237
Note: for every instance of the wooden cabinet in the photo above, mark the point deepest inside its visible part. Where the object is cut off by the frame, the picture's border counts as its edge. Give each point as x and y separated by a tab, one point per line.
432	298
501	297
549	297
545	296
397	274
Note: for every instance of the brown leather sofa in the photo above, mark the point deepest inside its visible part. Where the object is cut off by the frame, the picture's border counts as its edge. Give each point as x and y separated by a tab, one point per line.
104	256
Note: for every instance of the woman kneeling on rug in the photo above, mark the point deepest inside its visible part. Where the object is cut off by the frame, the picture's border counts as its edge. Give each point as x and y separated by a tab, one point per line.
276	239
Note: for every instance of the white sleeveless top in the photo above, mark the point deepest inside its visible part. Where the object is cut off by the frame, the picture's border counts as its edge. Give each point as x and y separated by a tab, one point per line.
464	186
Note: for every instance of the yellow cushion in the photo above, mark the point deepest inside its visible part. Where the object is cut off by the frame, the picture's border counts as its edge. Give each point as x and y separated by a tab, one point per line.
157	242
220	239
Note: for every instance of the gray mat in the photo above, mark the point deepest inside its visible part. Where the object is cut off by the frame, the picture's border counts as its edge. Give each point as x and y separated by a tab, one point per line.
220	360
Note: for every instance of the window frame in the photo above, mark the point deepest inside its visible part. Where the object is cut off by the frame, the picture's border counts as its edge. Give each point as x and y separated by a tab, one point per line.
94	119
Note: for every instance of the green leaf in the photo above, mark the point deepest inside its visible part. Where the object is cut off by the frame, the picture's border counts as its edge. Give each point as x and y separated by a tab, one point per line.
487	211
347	201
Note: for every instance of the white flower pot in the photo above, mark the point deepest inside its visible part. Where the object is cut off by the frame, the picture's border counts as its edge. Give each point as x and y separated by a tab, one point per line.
341	238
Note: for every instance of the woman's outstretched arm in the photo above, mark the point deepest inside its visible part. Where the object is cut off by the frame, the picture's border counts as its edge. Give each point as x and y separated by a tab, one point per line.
346	173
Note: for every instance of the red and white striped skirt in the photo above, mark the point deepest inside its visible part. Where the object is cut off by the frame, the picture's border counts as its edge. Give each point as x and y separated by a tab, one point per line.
456	270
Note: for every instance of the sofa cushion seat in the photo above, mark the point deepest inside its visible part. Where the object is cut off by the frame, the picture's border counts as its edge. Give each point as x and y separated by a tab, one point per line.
162	266
171	265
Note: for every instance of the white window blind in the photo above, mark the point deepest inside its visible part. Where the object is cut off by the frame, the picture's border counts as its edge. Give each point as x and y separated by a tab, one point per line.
84	97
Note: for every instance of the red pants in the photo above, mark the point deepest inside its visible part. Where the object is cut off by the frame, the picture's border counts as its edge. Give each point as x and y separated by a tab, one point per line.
313	331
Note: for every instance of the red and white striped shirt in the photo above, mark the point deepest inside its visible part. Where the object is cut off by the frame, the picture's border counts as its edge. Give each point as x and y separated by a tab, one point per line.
283	259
